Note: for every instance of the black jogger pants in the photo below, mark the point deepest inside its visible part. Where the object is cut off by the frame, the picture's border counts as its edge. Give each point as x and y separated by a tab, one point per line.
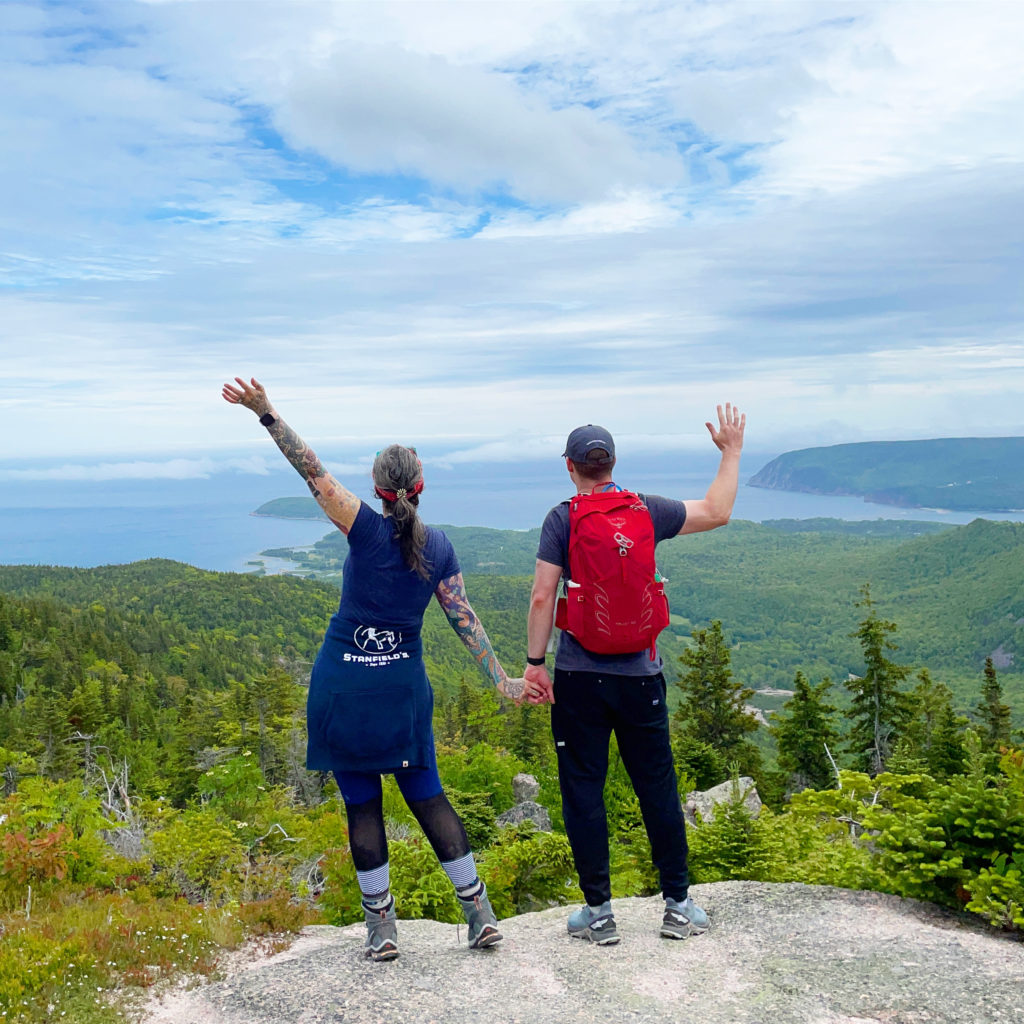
588	708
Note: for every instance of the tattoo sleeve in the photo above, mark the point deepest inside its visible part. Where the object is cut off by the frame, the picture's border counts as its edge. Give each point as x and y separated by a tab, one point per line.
296	451
340	504
451	595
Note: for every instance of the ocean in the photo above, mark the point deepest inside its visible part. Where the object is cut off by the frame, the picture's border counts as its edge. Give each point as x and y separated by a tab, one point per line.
208	522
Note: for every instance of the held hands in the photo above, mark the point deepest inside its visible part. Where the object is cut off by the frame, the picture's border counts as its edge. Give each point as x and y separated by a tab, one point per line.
531	687
519	689
513	689
728	437
252	396
539	689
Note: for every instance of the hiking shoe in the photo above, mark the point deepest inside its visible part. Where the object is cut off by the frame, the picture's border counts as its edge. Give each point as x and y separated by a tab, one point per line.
483	925
594	925
683	919
381	932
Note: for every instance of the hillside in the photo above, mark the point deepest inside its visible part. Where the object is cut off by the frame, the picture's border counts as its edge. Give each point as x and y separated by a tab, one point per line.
172	619
785	593
982	474
134	637
787	600
291	508
152	742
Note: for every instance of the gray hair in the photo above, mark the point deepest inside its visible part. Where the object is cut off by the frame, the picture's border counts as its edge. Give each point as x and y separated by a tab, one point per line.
397	469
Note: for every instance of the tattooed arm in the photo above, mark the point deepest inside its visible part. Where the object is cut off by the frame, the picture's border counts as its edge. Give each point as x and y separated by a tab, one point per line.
339	504
451	596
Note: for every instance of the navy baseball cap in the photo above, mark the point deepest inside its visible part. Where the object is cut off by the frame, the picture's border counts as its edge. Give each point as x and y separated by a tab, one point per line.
585	439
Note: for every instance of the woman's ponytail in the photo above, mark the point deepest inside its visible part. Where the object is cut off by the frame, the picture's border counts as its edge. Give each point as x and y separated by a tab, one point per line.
398	478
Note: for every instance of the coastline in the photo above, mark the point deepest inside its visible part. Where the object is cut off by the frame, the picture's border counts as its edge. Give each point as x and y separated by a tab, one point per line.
878	499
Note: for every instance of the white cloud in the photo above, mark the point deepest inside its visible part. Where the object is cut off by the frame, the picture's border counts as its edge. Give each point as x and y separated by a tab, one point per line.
397	112
856	270
857	93
629	212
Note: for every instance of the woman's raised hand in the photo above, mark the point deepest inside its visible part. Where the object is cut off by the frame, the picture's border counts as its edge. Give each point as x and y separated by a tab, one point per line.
251	395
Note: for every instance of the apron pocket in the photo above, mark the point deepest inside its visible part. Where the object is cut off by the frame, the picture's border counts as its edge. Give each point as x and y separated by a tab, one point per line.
365	723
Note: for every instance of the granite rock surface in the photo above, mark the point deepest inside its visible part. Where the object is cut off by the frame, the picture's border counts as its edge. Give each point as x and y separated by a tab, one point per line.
775	954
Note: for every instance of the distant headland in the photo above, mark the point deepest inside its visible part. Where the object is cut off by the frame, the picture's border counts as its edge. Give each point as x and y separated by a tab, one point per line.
291	508
965	474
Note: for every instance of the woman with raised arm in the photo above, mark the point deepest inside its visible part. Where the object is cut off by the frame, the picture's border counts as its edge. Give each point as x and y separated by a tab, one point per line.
370	703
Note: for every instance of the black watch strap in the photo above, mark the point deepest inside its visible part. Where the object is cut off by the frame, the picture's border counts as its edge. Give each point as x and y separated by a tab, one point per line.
267	420
535	661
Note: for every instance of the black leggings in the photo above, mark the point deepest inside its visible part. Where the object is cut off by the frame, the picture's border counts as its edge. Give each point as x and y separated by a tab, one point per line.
436	816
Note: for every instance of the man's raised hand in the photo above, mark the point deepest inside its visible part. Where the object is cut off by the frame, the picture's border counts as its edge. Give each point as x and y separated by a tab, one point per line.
729	435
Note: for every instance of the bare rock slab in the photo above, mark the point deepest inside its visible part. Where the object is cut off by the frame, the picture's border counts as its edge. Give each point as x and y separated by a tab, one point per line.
775	954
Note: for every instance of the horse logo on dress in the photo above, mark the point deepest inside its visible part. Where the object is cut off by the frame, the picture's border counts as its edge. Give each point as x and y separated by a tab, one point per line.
375	640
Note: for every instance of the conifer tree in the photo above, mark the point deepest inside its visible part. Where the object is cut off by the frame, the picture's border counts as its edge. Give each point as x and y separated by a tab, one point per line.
993	714
85	708
6	627
529	734
472	716
933	734
803	731
714	703
9	675
946	753
878	707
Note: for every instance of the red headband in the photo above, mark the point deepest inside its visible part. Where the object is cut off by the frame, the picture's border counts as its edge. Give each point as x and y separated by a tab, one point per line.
402	492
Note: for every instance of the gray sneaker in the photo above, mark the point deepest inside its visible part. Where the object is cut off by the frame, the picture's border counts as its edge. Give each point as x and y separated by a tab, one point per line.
381	932
594	925
483	925
683	919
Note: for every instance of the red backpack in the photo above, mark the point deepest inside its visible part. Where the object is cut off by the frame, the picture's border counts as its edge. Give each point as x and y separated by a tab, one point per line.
615	601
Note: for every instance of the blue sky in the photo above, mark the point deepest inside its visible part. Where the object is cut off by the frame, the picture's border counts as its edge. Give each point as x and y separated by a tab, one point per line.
476	225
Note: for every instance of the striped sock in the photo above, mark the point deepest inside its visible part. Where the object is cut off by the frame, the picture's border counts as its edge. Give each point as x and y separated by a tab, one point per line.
463	874
375	886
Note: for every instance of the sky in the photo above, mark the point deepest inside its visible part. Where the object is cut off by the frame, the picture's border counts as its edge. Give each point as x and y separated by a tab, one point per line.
472	226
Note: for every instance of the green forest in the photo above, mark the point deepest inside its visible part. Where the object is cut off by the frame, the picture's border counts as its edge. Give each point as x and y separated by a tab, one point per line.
156	809
979	474
786	591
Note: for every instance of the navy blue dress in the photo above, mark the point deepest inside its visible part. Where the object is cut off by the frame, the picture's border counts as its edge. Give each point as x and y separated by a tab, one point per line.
370	704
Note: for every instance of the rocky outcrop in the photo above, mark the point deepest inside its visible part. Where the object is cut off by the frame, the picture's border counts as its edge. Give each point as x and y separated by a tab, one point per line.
700	804
756	714
525	789
1001	657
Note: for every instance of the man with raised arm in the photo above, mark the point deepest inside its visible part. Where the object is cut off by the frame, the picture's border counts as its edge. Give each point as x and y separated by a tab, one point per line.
608	674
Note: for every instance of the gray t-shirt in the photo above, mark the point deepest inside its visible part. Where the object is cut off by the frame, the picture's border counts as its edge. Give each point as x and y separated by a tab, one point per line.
668	516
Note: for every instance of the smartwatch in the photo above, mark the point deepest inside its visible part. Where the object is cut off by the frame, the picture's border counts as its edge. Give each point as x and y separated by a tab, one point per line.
267	420
535	661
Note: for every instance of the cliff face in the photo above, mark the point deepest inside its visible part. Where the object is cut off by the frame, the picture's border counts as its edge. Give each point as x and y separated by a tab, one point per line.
784	954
